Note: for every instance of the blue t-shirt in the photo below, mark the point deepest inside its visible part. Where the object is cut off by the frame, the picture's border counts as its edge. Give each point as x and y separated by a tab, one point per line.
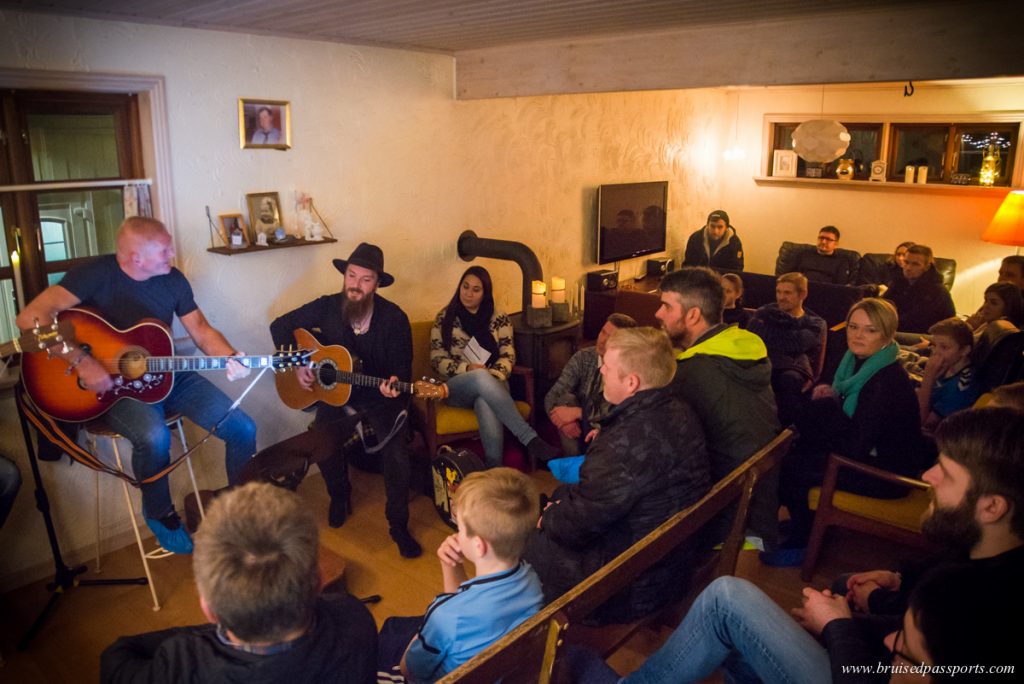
460	625
124	302
955	393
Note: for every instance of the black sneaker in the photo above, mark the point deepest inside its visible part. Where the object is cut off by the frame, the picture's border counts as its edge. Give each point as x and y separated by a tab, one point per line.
407	546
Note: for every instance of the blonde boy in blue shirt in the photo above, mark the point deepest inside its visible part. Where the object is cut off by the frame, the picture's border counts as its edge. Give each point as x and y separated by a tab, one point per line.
496	510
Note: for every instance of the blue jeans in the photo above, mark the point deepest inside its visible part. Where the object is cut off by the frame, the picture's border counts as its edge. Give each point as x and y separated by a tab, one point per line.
143	425
10	482
494	407
734	625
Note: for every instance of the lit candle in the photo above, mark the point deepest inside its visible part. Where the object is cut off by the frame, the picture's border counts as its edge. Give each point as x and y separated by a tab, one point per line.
557	290
537	300
19	290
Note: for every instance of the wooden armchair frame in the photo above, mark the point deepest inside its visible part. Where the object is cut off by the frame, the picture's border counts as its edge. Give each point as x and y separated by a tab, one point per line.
429	413
828	515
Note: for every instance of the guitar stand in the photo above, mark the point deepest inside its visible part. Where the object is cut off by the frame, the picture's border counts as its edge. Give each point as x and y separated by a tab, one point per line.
65	578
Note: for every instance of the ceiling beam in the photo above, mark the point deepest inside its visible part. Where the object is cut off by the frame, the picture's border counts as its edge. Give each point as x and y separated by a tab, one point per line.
918	42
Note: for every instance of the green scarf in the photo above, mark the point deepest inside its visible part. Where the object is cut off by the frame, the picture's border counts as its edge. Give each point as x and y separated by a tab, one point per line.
848	384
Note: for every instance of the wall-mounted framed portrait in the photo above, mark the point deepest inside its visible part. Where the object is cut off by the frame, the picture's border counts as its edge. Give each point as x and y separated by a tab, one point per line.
264	124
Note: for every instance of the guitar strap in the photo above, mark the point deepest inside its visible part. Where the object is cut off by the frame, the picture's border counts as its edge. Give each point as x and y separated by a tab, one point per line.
49	429
359	430
381	443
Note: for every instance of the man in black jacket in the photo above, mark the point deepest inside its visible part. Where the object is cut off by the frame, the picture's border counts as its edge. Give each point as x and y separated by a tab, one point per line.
716	245
794	337
256	570
724	374
377	332
826	263
977	509
919	295
647	463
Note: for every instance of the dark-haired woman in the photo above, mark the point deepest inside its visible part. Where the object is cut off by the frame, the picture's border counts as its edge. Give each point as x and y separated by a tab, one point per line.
471	347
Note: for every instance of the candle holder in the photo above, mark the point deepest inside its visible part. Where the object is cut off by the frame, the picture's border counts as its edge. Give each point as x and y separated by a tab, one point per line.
538	317
559	312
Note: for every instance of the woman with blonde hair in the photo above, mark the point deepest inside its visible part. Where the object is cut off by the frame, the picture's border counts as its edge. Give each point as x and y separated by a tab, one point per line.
869	414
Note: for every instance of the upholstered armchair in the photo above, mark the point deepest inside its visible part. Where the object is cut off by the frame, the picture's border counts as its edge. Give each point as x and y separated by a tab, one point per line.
442	424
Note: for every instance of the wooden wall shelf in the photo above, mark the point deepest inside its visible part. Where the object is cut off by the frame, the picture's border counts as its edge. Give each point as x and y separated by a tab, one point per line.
889	186
301	242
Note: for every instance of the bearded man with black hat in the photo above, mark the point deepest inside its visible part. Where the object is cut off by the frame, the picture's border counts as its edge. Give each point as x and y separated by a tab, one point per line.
715	245
377	332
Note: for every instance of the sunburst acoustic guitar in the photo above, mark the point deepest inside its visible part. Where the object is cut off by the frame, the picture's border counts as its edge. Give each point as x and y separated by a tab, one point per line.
333	378
39	338
140	360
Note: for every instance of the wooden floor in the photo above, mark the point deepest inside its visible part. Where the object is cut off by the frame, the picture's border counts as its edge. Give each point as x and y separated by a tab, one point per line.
87	619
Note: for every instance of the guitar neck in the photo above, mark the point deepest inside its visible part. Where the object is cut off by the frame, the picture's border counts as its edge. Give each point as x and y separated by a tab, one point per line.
370	381
173	364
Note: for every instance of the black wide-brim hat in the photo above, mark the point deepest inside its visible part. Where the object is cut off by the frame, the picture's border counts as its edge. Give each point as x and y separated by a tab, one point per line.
368	256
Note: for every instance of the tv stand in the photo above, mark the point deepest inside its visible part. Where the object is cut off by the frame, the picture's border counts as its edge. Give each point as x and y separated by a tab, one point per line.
638	298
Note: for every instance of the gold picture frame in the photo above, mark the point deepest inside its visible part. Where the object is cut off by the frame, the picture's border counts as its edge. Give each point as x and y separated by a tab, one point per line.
264	214
227	224
264	124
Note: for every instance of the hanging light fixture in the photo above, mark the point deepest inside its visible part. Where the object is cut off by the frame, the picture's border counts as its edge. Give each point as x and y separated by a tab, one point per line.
821	140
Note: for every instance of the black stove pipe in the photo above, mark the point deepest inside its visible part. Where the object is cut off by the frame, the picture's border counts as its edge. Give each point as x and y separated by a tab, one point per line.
470	246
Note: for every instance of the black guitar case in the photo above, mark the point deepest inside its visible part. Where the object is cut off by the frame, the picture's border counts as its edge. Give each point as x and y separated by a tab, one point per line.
448	468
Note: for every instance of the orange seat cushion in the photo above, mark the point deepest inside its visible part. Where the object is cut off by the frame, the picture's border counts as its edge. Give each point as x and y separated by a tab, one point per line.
451	420
905	512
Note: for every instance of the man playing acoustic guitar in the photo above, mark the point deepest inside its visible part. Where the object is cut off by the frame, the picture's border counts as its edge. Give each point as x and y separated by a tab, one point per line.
135	283
376	331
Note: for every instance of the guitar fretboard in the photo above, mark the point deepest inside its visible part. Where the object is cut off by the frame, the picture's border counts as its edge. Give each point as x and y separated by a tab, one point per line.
370	381
171	364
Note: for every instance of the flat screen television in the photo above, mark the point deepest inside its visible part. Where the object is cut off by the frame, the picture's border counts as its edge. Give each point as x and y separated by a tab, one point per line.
630	220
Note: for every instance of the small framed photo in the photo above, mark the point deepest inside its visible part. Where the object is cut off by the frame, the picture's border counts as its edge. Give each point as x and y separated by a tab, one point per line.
264	124
784	164
228	224
264	215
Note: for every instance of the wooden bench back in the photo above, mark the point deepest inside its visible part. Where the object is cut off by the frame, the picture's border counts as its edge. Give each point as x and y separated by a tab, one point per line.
528	653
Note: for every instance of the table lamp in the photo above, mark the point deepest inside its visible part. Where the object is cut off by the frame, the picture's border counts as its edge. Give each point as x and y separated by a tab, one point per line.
1007	226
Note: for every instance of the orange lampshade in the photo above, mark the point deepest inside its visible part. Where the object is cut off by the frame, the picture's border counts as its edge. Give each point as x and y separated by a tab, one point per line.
1007	226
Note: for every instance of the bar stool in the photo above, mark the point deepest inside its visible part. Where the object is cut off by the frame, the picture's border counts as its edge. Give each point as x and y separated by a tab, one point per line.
100	429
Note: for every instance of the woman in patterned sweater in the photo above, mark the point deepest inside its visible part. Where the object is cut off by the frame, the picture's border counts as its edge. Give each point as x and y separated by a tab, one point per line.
471	347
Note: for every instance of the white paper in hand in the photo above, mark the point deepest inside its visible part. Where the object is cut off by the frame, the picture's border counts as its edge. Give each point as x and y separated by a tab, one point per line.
474	353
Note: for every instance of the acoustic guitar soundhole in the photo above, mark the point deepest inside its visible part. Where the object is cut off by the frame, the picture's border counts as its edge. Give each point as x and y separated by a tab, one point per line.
132	363
327	374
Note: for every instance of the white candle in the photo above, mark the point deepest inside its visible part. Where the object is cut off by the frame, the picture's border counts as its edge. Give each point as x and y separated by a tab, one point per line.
908	174
537	298
19	290
557	290
922	174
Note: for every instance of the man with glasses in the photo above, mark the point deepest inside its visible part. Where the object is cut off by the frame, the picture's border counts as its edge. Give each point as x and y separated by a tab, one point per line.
978	489
826	264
